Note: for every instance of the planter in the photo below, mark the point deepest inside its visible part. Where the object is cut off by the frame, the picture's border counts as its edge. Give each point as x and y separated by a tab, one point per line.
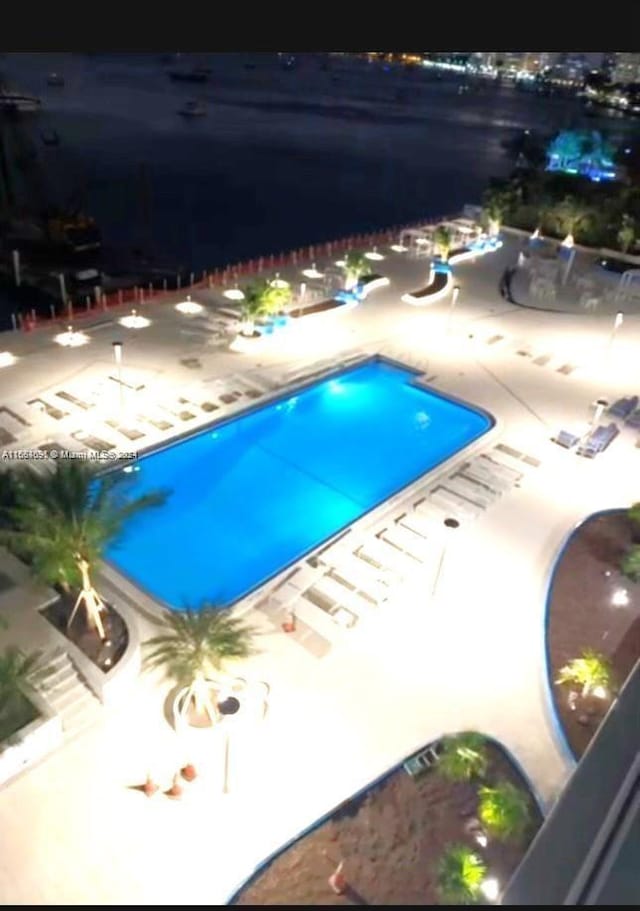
32	742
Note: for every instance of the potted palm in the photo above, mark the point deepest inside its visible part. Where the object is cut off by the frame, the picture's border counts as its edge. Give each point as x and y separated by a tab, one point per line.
463	757
460	874
262	298
591	670
62	521
194	646
355	266
442	242
504	810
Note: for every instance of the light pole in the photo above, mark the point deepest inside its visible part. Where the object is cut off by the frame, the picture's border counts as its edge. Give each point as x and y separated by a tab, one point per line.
616	325
598	407
454	300
117	353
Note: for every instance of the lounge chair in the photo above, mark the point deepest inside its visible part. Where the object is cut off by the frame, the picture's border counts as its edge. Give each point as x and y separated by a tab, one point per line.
598	440
622	408
634	419
566	439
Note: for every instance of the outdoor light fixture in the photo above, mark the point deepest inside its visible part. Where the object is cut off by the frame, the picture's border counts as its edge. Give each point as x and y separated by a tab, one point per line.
312	272
71	339
600	692
620	597
399	248
234	294
568	241
134	321
189	306
7	359
117	353
373	254
482	839
279	282
341	262
490	888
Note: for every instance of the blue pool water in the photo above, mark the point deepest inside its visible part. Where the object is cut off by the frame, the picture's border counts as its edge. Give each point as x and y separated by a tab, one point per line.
251	496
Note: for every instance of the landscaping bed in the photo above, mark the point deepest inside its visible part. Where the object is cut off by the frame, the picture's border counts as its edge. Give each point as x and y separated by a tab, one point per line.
105	655
329	304
581	616
15	715
391	839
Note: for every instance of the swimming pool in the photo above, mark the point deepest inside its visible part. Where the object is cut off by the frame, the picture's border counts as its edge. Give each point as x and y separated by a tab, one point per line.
252	495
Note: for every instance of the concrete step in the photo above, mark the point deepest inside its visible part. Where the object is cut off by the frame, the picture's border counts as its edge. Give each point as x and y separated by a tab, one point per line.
68	695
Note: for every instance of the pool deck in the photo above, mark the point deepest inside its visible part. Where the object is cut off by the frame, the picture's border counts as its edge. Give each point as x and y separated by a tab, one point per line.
465	651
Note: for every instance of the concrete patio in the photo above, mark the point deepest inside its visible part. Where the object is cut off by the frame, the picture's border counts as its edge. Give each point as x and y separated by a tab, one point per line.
467	652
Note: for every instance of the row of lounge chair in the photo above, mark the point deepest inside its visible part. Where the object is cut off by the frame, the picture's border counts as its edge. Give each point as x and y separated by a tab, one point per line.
627	409
591	445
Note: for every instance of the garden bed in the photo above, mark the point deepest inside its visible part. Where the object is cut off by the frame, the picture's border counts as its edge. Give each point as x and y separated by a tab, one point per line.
391	839
581	615
329	304
105	655
15	715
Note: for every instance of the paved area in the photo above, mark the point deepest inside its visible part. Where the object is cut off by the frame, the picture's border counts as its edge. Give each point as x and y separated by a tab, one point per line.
464	652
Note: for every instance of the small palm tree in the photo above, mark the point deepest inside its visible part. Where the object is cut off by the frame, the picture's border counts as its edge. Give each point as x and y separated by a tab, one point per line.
464	756
569	215
63	520
263	298
195	645
589	670
460	875
442	241
627	233
504	810
630	564
355	266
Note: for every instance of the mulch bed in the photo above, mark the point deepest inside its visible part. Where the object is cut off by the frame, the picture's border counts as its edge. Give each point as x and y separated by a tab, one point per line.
581	616
315	308
390	840
439	281
104	655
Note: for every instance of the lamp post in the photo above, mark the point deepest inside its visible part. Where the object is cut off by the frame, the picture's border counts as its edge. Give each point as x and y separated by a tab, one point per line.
117	353
616	325
454	300
598	407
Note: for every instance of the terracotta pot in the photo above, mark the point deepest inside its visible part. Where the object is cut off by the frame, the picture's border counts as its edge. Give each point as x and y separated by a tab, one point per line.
188	772
149	788
175	791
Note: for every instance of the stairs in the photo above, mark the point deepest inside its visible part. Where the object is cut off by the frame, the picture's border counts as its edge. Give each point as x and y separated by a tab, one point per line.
68	695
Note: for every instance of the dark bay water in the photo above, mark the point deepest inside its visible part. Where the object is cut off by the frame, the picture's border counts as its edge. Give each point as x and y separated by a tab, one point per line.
282	159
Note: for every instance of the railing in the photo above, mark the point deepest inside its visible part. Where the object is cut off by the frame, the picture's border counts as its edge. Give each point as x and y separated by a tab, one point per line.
231	275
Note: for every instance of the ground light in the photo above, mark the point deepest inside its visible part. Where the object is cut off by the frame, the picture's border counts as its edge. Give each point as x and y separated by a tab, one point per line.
374	255
134	321
620	597
399	248
490	888
234	294
7	359
189	306
312	272
71	339
279	282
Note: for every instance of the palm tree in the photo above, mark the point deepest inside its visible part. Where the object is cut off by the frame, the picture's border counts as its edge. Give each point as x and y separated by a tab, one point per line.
195	644
355	266
497	203
442	241
63	520
19	674
589	670
569	215
460	875
627	233
263	298
504	810
463	757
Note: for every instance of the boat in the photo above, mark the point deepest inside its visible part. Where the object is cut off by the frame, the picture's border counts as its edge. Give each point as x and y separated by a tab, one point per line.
195	74
55	79
18	102
193	109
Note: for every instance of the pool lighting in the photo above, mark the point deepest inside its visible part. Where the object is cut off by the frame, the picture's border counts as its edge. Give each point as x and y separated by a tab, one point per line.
234	294
7	359
189	306
312	272
71	339
490	888
374	255
620	597
134	321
